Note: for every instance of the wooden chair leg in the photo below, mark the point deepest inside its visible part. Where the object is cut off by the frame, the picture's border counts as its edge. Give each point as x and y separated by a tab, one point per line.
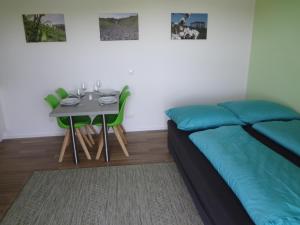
79	136
117	133
100	146
89	135
64	145
122	135
92	128
122	129
69	140
86	139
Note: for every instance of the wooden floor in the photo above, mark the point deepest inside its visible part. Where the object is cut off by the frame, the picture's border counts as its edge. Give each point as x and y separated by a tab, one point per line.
21	157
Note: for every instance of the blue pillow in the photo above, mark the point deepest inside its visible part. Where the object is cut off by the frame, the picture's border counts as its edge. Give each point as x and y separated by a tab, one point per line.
199	117
253	111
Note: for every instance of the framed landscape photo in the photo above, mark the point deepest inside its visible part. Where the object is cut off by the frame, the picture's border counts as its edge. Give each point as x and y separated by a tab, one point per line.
119	26
189	26
44	27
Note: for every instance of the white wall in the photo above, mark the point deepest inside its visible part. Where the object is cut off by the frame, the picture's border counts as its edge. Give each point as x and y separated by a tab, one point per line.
167	73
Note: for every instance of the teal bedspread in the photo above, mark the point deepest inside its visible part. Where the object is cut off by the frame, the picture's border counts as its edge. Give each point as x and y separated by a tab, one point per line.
285	133
267	184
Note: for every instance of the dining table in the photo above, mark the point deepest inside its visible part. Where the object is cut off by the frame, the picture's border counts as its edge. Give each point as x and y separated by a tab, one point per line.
88	105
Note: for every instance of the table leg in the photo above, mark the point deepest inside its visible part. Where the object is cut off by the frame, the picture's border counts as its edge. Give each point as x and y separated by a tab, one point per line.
105	139
75	155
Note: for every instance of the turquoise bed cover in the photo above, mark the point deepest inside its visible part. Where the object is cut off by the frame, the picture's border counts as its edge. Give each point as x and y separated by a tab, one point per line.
285	133
267	184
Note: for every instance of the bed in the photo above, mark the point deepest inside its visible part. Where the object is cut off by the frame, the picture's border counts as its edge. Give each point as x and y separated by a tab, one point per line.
216	202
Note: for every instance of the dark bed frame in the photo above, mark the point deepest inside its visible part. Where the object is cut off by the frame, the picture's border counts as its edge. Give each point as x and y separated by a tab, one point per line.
215	201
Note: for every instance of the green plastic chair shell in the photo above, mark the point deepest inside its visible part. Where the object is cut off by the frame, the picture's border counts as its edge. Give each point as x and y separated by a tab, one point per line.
124	90
62	93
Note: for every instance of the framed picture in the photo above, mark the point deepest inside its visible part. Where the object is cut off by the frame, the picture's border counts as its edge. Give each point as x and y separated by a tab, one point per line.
44	27
191	26
119	26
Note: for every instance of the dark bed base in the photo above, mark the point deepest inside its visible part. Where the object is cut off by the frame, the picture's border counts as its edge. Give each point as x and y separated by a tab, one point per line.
199	205
216	203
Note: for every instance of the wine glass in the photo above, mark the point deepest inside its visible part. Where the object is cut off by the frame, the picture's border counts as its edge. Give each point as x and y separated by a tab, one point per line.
78	92
98	85
95	88
83	86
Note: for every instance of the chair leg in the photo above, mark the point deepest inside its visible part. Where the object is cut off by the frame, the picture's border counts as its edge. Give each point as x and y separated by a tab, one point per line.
122	129
69	140
89	135
92	129
122	135
117	133
86	139
64	145
83	144
100	147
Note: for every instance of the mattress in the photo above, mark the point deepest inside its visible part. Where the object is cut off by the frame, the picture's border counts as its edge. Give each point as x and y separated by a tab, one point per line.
285	133
291	156
266	183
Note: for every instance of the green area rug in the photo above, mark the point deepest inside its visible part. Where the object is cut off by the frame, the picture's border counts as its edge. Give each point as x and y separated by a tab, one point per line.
152	194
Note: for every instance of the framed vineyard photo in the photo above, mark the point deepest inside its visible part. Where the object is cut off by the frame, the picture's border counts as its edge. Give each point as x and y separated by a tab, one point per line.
119	26
189	26
44	27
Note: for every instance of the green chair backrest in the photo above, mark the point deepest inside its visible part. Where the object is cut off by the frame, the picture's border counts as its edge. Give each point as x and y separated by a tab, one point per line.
52	101
120	117
122	94
62	93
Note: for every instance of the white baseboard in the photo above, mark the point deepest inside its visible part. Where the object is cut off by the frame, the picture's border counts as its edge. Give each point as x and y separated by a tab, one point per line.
60	133
142	128
32	135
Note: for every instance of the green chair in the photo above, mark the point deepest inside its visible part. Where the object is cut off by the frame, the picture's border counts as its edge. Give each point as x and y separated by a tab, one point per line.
62	93
63	122
121	99
125	88
114	122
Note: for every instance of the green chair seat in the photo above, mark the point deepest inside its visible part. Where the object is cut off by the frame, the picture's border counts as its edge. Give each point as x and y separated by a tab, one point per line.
78	121
98	121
